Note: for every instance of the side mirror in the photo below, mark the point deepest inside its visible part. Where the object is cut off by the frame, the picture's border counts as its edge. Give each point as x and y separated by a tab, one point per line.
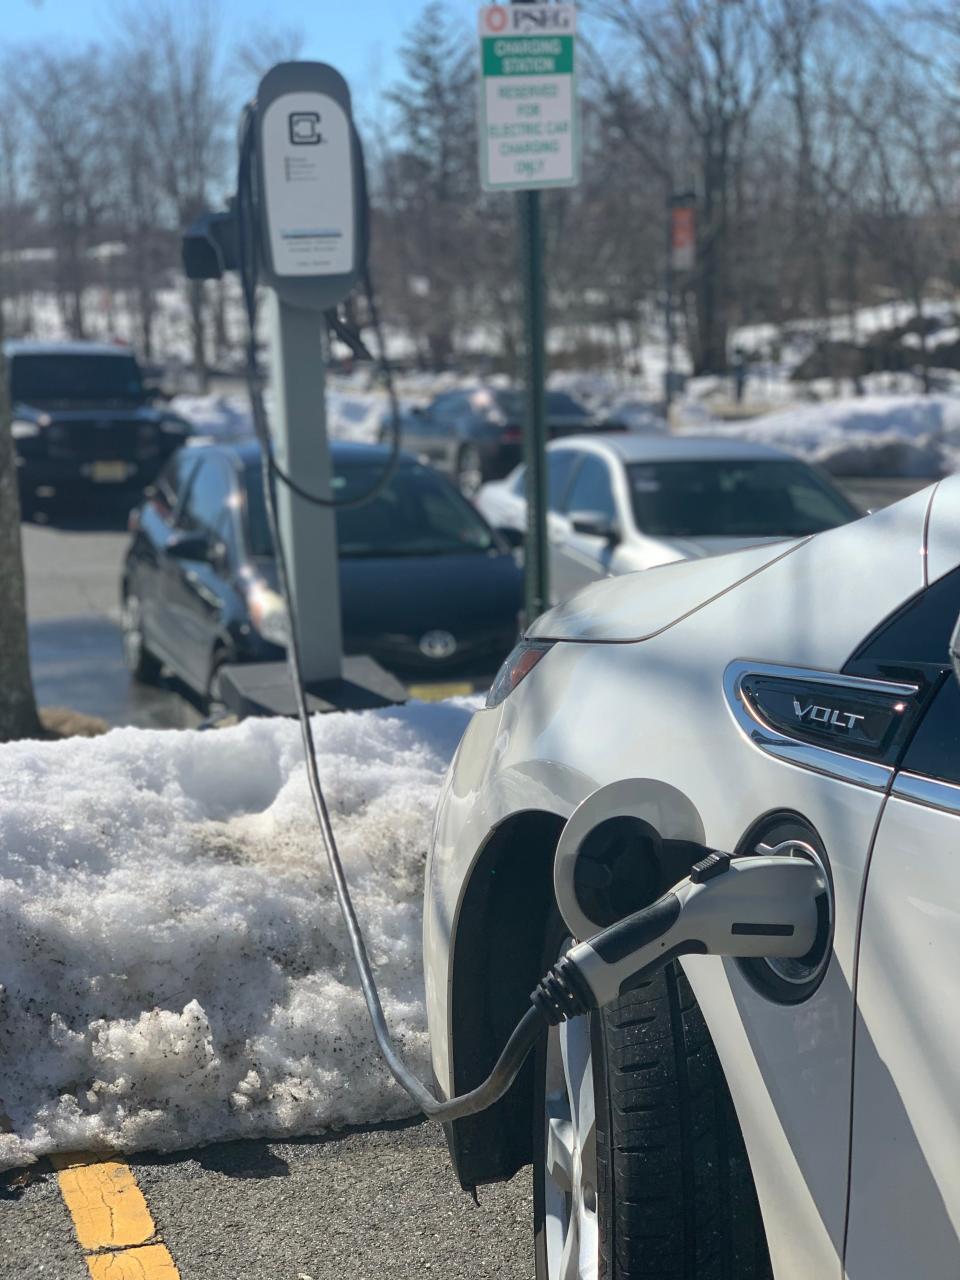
188	546
512	537
955	649
595	524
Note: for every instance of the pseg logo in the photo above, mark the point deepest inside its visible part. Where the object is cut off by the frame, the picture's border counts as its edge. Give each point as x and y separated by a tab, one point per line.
519	20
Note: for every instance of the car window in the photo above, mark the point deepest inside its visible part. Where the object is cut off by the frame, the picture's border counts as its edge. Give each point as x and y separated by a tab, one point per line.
734	498
419	513
560	465
934	751
446	409
557	404
918	633
208	499
58	376
172	480
592	489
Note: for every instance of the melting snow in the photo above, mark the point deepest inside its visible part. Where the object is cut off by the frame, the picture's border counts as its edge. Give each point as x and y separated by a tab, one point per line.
172	964
863	436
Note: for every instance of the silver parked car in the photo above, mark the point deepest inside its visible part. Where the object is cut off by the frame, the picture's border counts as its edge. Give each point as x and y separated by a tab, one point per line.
619	503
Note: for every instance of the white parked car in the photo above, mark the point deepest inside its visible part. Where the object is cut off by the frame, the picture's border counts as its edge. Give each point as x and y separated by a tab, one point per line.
623	502
726	1118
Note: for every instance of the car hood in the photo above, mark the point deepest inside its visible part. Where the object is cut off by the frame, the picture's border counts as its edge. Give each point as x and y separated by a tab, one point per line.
410	595
700	548
85	410
636	606
809	602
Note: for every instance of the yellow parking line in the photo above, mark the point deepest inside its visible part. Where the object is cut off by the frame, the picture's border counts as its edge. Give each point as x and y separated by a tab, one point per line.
111	1218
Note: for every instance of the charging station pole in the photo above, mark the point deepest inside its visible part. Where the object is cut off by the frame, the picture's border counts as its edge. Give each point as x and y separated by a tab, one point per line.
299	227
302	450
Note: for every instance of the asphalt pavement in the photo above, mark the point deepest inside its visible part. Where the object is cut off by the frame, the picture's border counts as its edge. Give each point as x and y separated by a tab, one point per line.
73	608
378	1204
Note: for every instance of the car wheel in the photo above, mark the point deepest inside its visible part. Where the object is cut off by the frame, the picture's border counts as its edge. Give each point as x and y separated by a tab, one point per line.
469	470
215	706
141	663
639	1166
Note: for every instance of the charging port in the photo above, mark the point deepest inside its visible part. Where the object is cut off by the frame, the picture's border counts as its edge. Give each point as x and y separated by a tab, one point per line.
783	979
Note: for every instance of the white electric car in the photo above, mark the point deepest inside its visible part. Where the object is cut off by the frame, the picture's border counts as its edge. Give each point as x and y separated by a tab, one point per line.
623	502
728	1118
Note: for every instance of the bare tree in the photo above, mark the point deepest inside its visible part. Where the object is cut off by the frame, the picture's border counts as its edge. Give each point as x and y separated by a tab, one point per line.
429	181
185	113
62	103
716	61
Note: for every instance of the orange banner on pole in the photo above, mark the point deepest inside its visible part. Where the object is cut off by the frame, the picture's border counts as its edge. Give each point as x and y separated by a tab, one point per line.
683	238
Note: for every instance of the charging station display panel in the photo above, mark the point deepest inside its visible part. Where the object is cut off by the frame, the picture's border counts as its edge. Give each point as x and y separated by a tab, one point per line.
309	186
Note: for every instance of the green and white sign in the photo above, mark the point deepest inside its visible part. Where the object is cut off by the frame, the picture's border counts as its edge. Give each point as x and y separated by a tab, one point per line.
529	118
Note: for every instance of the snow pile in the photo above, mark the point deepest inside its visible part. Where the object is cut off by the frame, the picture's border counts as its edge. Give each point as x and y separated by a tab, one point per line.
217	417
172	961
866	436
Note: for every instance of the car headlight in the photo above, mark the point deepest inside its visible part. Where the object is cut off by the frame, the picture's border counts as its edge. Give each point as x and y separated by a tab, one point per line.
23	428
269	614
520	662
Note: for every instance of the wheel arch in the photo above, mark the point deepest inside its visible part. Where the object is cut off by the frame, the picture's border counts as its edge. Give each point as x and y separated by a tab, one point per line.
497	956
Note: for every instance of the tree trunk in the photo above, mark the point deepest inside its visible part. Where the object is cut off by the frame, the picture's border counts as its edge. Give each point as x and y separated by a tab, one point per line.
198	335
18	708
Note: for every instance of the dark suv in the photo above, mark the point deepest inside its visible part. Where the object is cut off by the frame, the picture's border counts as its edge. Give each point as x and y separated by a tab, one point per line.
82	423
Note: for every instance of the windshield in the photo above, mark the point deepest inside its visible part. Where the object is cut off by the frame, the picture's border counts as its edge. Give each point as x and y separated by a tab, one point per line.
72	377
558	405
418	514
734	499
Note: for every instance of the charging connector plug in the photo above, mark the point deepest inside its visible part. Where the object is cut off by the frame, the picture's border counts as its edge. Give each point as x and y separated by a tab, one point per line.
755	906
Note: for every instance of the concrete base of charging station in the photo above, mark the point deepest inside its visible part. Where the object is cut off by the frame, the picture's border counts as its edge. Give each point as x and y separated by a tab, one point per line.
266	689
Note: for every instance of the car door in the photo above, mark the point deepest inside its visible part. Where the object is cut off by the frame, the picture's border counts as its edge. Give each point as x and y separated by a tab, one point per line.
195	589
156	525
579	558
904	1216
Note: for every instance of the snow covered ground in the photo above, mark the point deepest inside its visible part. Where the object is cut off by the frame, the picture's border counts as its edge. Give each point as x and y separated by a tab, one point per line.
173	965
893	435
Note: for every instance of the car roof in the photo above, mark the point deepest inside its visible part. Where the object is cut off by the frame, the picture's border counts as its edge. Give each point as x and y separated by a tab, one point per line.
23	347
628	446
247	452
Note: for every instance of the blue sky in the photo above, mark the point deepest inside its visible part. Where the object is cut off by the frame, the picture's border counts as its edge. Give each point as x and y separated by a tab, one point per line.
359	37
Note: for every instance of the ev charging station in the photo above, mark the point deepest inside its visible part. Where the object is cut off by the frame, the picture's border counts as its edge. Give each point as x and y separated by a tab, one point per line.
299	221
301	229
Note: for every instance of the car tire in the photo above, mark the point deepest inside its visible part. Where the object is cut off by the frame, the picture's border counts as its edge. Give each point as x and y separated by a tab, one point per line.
469	470
140	661
665	1187
214	706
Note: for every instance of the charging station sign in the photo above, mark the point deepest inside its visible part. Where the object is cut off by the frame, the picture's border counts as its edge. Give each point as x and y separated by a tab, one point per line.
529	119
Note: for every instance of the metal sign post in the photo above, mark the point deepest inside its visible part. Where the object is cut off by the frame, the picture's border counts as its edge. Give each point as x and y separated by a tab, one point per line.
529	141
